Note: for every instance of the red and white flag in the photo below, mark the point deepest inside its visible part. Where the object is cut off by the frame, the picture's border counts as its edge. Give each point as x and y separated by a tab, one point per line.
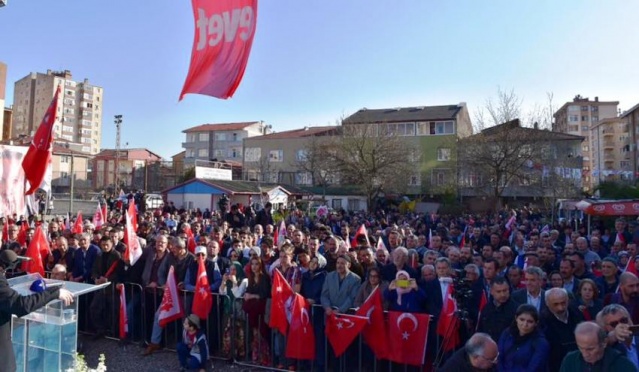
375	332
38	157
170	308
300	342
133	250
448	323
98	218
407	337
202	299
281	234
78	228
133	214
124	320
224	31
380	244
105	213
342	330
38	248
281	294
483	301
190	240
360	231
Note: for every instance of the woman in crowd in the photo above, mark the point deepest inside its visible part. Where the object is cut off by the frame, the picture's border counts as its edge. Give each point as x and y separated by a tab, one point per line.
403	294
588	301
373	281
234	286
258	290
522	346
555	280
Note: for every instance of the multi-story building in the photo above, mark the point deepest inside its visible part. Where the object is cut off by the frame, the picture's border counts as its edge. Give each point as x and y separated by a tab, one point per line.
276	157
219	142
6	122
66	164
3	89
433	131
133	168
631	117
611	158
578	117
79	108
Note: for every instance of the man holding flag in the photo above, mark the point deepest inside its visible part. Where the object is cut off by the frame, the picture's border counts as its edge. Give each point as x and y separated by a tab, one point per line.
104	270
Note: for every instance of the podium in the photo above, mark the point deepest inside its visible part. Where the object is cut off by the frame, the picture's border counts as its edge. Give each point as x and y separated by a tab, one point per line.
46	339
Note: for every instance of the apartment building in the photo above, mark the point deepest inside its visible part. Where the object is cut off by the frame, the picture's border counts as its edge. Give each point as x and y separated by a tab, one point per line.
79	108
611	158
220	142
631	118
578	118
433	130
133	168
66	164
6	123
276	157
3	90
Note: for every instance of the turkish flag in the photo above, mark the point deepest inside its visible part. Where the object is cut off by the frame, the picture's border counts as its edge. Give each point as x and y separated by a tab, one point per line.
224	31
300	343
133	250
38	157
281	234
190	240
281	293
22	234
375	332
98	218
124	320
342	329
448	323
105	213
202	300
37	247
77	225
407	337
133	214
170	308
630	266
360	231
5	231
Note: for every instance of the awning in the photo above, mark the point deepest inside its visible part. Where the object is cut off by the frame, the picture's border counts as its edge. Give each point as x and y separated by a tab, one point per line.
610	208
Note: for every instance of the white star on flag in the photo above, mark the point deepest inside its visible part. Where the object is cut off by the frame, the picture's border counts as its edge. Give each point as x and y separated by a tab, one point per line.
279	289
405	335
202	291
339	325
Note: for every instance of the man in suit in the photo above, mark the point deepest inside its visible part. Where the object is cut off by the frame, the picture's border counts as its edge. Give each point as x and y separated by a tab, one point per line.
567	272
340	287
532	294
621	234
83	260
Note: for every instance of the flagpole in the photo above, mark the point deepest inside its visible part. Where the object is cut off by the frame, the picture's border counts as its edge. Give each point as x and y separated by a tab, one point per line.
72	185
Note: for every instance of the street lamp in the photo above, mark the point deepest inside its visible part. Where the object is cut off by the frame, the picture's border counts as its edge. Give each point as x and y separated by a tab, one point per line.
118	123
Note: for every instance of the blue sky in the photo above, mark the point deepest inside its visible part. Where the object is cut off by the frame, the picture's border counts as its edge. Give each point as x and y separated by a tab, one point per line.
315	61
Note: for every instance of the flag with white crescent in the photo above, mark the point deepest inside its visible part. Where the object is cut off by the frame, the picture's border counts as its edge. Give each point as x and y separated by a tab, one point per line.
300	343
407	337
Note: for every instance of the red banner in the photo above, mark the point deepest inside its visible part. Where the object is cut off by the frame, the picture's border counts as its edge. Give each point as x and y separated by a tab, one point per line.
612	208
224	31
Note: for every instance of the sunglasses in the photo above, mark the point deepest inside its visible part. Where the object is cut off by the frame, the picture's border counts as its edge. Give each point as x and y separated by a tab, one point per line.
614	323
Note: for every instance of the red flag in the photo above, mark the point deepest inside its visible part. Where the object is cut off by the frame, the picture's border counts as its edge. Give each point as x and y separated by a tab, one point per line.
133	214
190	243
105	213
630	266
281	234
281	293
407	337
22	234
202	300
98	218
300	343
124	320
448	323
380	244
38	245
5	232
342	329
170	308
224	31
77	225
38	157
360	231
133	250
375	332
483	301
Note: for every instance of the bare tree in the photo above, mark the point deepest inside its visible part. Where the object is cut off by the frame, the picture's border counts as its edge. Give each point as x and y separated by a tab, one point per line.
368	156
504	108
315	162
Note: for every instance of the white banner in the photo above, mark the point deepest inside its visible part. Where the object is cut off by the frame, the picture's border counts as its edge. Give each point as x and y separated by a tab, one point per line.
12	181
213	173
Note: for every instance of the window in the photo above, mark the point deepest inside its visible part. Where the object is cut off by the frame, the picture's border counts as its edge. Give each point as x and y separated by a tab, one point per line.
64	175
573	128
573	108
252	154
336	204
303	178
435	128
219	153
445	127
354	205
234	136
584	118
439	177
594	118
275	156
584	148
203	153
65	159
624	164
189	153
443	154
585	128
69	101
573	118
220	136
594	108
236	152
400	129
415	180
301	155
584	108
203	137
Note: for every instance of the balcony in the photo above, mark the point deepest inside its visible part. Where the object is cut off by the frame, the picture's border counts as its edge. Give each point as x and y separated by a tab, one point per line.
609	145
609	157
188	145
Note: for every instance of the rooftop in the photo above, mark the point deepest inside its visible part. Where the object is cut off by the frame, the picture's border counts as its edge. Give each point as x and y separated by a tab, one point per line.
220	127
107	153
418	113
300	133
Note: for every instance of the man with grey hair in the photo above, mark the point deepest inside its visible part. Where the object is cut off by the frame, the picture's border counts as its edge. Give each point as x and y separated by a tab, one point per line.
589	256
616	321
399	262
560	321
479	354
533	293
593	355
83	259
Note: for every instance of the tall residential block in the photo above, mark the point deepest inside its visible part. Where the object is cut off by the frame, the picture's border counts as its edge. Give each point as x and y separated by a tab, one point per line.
79	108
611	155
578	118
3	88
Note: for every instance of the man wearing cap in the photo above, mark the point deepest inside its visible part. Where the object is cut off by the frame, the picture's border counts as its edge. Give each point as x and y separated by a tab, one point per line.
214	276
12	303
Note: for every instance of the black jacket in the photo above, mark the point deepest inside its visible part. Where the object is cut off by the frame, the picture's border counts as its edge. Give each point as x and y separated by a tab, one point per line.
459	362
12	303
560	335
494	320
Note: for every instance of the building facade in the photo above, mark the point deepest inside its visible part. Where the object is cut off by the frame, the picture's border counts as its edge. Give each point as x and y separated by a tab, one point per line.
3	92
611	156
433	130
68	164
79	108
577	118
132	165
276	157
631	117
219	142
6	123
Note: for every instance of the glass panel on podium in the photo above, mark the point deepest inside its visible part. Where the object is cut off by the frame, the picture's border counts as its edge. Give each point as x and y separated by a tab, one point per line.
46	339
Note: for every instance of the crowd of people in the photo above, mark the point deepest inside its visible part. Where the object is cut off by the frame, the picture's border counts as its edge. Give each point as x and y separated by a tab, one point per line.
531	295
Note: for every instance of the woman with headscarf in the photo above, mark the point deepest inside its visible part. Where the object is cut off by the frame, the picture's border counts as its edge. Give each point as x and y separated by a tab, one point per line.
258	290
234	286
403	294
373	280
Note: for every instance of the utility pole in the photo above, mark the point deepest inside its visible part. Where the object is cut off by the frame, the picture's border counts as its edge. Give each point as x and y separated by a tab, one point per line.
71	184
116	179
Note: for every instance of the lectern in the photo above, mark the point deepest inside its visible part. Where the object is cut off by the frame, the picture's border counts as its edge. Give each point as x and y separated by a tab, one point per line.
46	339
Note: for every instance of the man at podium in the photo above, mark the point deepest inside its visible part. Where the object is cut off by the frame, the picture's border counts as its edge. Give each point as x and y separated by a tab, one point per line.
12	303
